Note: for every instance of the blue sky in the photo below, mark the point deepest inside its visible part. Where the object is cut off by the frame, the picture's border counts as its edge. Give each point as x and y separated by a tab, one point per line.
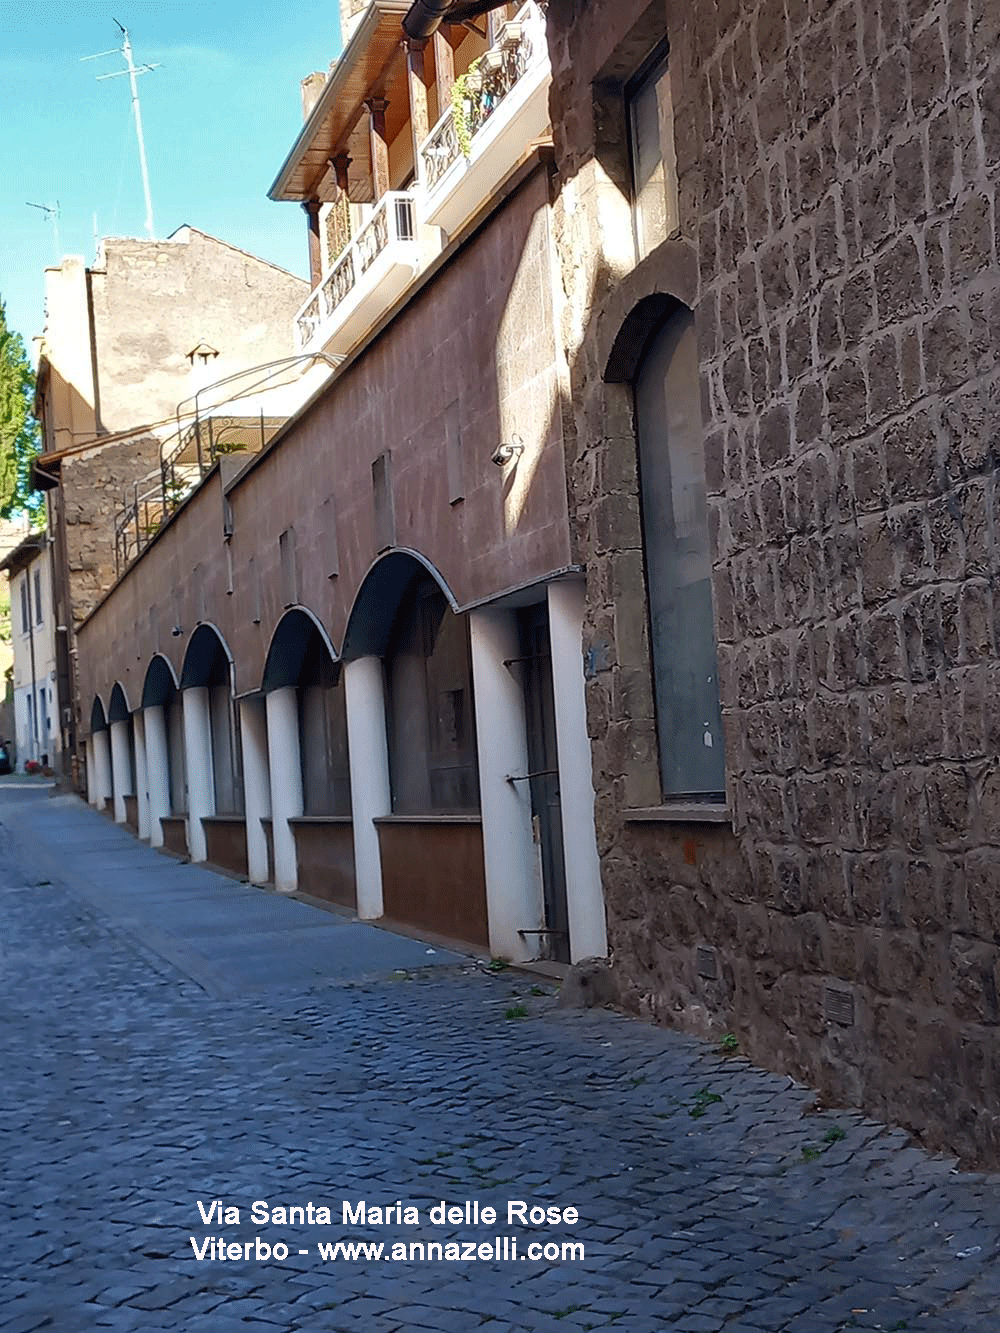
219	116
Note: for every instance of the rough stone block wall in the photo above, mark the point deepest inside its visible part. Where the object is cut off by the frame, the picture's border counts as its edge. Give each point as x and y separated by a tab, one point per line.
93	484
838	167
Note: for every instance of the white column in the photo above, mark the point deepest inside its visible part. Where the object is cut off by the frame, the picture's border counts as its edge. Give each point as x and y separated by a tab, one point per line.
91	771
285	768
256	786
157	771
102	766
588	936
141	781
368	746
121	769
514	896
198	761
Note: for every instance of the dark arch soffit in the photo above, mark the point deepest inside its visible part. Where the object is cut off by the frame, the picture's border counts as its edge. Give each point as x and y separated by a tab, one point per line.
289	645
98	722
639	328
383	588
160	685
207	660
118	709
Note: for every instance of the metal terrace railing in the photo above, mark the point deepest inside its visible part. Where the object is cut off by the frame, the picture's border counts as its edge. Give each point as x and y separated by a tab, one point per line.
393	219
482	89
235	423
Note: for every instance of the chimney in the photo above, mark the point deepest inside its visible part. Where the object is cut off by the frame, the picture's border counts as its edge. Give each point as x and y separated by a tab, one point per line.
312	86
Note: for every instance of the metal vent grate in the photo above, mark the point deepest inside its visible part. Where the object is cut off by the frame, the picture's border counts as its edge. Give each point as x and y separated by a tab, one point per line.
706	963
839	1006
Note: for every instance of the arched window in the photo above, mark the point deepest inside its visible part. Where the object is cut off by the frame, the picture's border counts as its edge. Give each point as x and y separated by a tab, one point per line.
207	664
432	736
300	657
326	773
678	563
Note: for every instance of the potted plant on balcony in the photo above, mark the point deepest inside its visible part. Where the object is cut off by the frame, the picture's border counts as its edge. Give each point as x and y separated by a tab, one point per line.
464	91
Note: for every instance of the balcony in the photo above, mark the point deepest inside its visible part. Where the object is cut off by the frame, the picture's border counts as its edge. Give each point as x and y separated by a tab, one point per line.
505	107
365	280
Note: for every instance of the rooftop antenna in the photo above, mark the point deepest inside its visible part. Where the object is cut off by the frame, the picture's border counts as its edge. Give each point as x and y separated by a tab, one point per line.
125	50
51	211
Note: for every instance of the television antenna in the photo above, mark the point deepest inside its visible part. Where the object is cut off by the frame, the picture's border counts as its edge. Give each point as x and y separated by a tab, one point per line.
132	69
51	211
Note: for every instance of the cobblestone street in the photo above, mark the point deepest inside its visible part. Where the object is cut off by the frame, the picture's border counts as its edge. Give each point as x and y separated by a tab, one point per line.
170	1036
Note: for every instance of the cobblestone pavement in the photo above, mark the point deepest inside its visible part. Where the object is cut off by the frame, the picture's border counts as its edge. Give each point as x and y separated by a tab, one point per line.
146	1067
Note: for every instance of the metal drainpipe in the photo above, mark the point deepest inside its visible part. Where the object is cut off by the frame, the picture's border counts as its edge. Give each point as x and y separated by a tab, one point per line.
31	647
424	18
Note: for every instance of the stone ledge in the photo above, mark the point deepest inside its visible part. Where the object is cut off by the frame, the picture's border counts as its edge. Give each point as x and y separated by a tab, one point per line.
680	812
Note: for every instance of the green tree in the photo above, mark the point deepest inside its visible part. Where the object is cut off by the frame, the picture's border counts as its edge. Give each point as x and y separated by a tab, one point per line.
19	439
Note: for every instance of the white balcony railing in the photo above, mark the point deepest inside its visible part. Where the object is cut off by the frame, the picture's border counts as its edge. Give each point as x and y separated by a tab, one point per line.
505	106
365	279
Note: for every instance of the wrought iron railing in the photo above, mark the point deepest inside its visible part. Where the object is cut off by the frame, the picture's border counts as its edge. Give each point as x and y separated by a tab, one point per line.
519	44
338	228
393	219
203	435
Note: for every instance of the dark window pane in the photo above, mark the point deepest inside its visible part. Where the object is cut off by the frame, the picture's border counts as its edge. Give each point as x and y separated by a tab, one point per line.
653	165
678	563
326	779
432	741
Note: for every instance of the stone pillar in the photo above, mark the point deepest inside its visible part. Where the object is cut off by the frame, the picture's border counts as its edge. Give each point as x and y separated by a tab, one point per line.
256	786
157	770
102	767
198	762
377	107
417	80
514	895
91	771
312	207
371	797
285	767
585	899
141	780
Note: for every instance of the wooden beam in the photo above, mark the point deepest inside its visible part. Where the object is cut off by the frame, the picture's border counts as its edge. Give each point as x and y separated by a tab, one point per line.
416	76
444	70
377	107
312	207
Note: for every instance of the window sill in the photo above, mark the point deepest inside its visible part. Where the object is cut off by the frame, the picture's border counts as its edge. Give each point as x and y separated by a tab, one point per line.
680	812
321	819
428	819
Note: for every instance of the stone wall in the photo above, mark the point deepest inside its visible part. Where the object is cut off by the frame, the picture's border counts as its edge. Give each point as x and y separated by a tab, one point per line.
93	484
837	167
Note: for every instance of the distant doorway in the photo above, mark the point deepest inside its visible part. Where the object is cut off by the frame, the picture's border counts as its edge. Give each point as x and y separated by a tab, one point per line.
543	776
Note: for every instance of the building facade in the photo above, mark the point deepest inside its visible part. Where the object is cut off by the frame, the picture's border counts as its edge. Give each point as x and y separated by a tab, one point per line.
352	666
130	349
36	729
780	266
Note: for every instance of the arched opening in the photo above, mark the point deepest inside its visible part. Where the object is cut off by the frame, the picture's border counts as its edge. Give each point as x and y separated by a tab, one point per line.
98	719
409	669
208	664
160	691
300	657
99	786
122	733
431	722
678	561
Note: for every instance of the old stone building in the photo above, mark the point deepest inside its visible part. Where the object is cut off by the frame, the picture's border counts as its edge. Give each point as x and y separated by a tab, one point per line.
696	303
128	344
782	304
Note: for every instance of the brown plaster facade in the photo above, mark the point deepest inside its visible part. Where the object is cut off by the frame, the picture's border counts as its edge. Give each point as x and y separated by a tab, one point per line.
470	358
836	172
